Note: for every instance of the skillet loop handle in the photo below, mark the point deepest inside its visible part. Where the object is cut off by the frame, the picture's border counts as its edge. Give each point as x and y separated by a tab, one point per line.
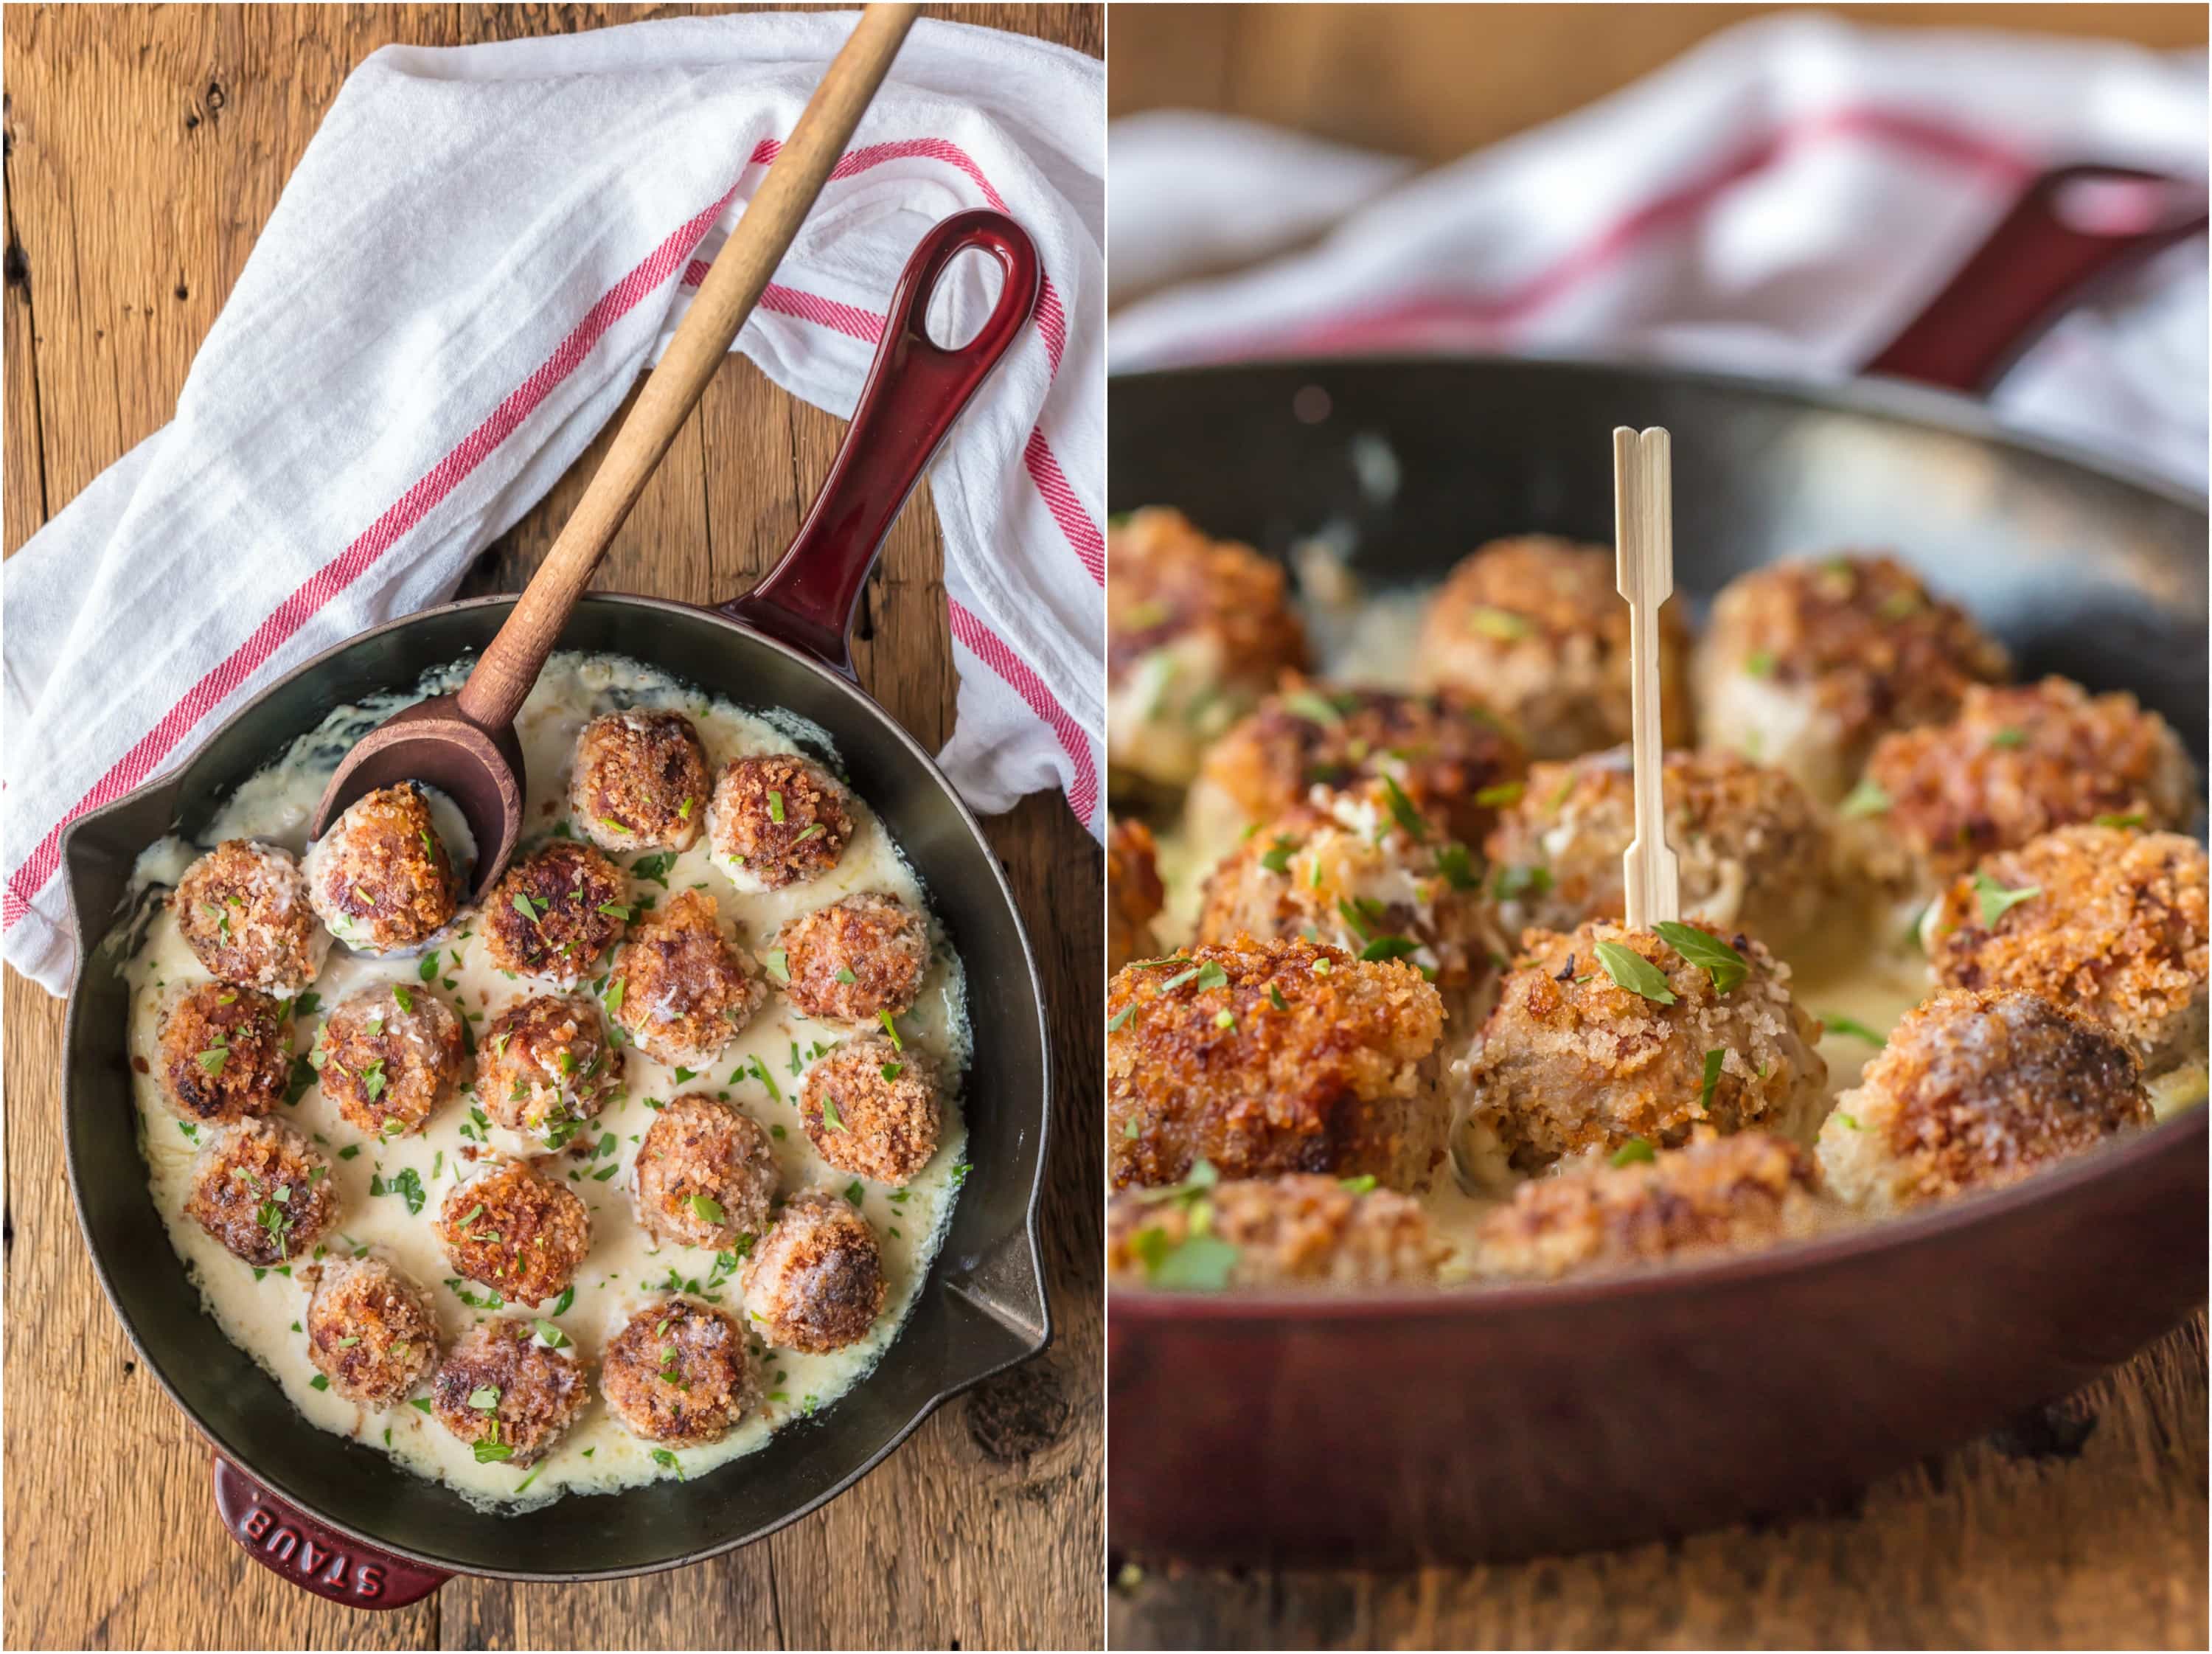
2069	229
296	1548
914	392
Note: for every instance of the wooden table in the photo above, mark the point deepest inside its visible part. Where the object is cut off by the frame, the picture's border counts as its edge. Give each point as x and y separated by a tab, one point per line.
144	151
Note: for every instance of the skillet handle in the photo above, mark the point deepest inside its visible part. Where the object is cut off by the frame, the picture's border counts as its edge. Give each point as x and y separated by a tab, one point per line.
301	1549
2069	228
915	390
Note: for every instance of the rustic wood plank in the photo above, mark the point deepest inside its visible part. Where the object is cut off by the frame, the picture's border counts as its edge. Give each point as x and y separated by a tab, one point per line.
146	149
2035	1537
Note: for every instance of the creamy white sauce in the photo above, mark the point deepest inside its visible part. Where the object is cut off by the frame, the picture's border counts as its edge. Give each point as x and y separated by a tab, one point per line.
263	1311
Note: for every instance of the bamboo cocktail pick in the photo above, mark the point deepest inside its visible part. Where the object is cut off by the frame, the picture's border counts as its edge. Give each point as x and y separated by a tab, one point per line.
1643	536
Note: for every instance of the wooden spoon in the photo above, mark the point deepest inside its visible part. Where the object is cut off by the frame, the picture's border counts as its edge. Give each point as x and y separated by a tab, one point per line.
465	743
1644	537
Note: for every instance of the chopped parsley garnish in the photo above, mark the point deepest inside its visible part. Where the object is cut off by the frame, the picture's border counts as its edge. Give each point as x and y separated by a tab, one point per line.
854	1193
1120	1019
775	806
892	1070
1501	623
1719	961
2008	737
845	976
2133	818
1457	863
1841	1024
1759	663
654	868
1634	1150
707	1209
1867	798
891	1024
1631	970
1276	857
1503	793
761	1074
1401	810
1997	901
1713	1061
777	962
1516	882
1196	1263
1388	948
1364	1185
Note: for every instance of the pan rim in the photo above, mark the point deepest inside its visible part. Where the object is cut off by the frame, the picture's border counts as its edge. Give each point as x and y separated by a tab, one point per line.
240	1455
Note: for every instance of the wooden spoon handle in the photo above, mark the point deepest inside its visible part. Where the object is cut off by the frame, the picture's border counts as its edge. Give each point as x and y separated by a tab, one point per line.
1643	536
510	663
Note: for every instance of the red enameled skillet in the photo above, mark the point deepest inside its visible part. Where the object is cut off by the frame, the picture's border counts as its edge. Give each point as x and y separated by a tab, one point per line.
344	1521
1506	1422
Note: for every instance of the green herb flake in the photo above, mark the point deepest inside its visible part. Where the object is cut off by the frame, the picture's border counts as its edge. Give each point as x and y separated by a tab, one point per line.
1714	1059
1835	1023
1500	624
1716	957
1867	798
1634	1150
1997	901
1631	970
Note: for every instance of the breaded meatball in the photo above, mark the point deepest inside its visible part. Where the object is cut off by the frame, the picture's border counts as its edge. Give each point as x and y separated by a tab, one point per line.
1446	751
816	1283
679	1373
1808	663
389	1057
1606	1036
505	1392
853	960
2019	762
2108	922
705	1175
777	820
1714	1194
1196	632
1536	630
264	1191
871	1109
516	1231
640	782
554	912
679	987
243	910
1754	851
543	1066
1975	1090
1272	1056
380	878
1272	1232
1134	895
226	1054
370	1331
1363	872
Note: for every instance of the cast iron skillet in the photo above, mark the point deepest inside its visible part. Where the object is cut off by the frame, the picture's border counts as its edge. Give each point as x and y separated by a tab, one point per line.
341	1520
1392	1427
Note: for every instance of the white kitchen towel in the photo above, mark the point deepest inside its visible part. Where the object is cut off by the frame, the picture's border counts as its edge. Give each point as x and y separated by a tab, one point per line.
479	251
1781	199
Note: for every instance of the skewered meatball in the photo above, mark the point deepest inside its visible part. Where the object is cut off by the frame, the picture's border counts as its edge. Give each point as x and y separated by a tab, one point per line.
1362	872
1134	894
1273	1056
515	1231
264	1191
1536	628
243	910
543	1066
555	911
389	1057
370	1331
1196	632
505	1393
226	1054
1447	751
1753	850
1808	663
816	1283
380	878
705	1175
679	987
1272	1232
640	782
1716	1195
1608	1037
679	1373
855	959
2019	762
2107	922
777	820
1975	1090
871	1109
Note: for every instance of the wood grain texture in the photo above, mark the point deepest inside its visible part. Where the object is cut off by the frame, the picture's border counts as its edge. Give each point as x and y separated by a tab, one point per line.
2082	1526
145	150
1435	82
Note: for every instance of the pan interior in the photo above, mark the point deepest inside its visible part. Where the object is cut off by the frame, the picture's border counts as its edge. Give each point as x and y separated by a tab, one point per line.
981	1308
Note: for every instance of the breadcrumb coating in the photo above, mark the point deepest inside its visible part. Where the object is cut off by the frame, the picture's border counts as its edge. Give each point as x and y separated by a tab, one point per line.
1134	894
226	1054
640	782
679	1373
370	1331
1288	1231
1714	1194
264	1191
501	1388
873	1109
1754	850
2115	930
1975	1090
1807	662
1573	1063
515	1230
1272	1056
554	912
2018	762
380	878
243	910
776	820
677	986
389	1057
816	1283
855	958
1535	627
